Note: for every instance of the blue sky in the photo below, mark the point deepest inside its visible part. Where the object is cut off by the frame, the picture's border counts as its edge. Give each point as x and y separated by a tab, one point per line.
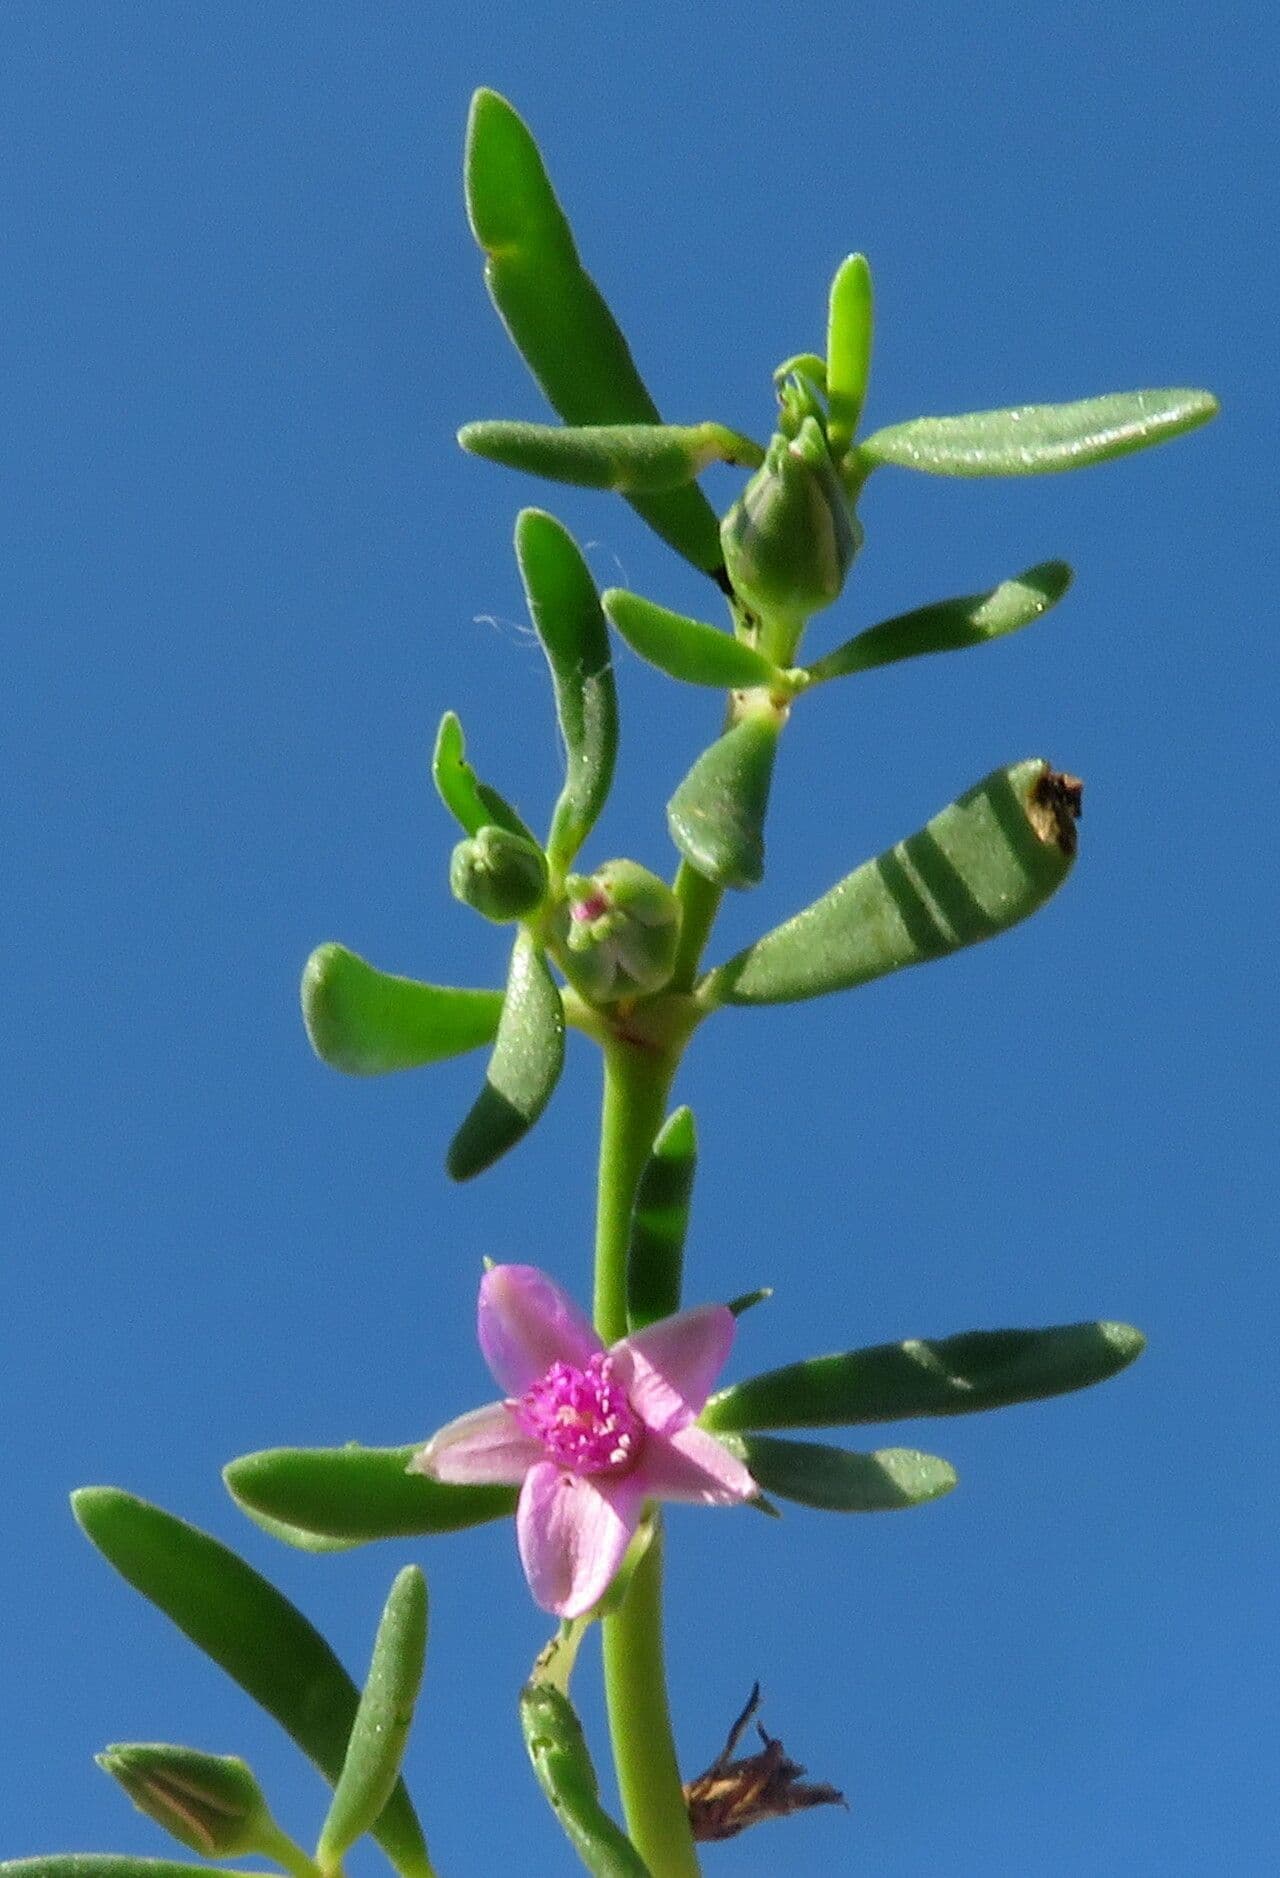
244	570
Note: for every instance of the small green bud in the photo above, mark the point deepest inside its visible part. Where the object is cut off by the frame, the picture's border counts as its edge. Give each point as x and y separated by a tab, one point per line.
209	1802
790	538
501	875
621	928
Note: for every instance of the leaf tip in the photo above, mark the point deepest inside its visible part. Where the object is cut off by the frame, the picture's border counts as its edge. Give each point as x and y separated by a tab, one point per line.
1054	806
1127	1342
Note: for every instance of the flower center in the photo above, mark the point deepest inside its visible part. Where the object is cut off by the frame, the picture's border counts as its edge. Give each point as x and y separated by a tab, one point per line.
582	1418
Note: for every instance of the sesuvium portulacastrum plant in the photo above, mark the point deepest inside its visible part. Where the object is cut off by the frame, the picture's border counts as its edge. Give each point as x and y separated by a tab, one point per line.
601	1418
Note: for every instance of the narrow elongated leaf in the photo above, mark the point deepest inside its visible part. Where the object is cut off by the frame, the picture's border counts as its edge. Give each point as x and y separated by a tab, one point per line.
562	1763
633	459
528	1056
983	864
365	1021
109	1865
1037	439
473	803
380	1732
850	327
838	1481
565	609
317	1543
686	648
251	1631
716	816
352	1495
659	1221
950	625
555	313
889	1382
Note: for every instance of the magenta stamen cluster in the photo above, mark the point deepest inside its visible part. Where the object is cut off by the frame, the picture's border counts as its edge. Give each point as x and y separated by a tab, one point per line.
592	907
582	1417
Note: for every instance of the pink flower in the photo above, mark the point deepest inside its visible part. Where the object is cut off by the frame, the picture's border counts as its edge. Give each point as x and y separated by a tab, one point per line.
587	1434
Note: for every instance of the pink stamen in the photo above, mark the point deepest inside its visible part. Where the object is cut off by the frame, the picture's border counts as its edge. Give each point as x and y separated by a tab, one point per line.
583	1418
591	908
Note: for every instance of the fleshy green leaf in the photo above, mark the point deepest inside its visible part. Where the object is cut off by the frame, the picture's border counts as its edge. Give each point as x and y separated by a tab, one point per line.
838	1481
380	1732
528	1055
565	609
1036	439
950	625
850	327
562	1763
633	459
109	1865
980	1369
716	816
473	803
659	1221
365	1021
554	311
251	1631
353	1495
686	648
980	866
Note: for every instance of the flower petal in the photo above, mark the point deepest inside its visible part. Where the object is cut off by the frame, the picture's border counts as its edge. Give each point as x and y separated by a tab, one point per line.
673	1364
526	1323
693	1466
572	1532
486	1445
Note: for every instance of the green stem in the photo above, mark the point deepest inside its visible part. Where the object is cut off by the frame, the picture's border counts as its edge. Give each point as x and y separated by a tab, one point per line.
637	1082
644	1752
276	1844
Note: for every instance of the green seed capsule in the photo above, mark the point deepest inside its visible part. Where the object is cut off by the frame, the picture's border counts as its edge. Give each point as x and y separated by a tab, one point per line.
790	538
499	874
621	927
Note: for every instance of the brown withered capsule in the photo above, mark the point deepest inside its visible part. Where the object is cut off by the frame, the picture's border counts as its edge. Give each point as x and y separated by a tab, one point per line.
734	1794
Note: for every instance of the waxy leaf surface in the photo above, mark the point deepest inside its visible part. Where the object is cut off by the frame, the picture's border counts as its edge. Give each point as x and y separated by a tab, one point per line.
889	1382
380	1732
251	1631
950	625
473	803
838	1481
528	1055
980	866
555	313
686	648
1037	439
632	459
562	1764
850	329
109	1865
716	816
659	1221
352	1495
366	1022
565	609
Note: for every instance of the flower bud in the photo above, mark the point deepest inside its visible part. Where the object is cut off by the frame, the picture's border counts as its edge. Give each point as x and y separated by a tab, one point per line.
790	538
501	875
621	932
209	1802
